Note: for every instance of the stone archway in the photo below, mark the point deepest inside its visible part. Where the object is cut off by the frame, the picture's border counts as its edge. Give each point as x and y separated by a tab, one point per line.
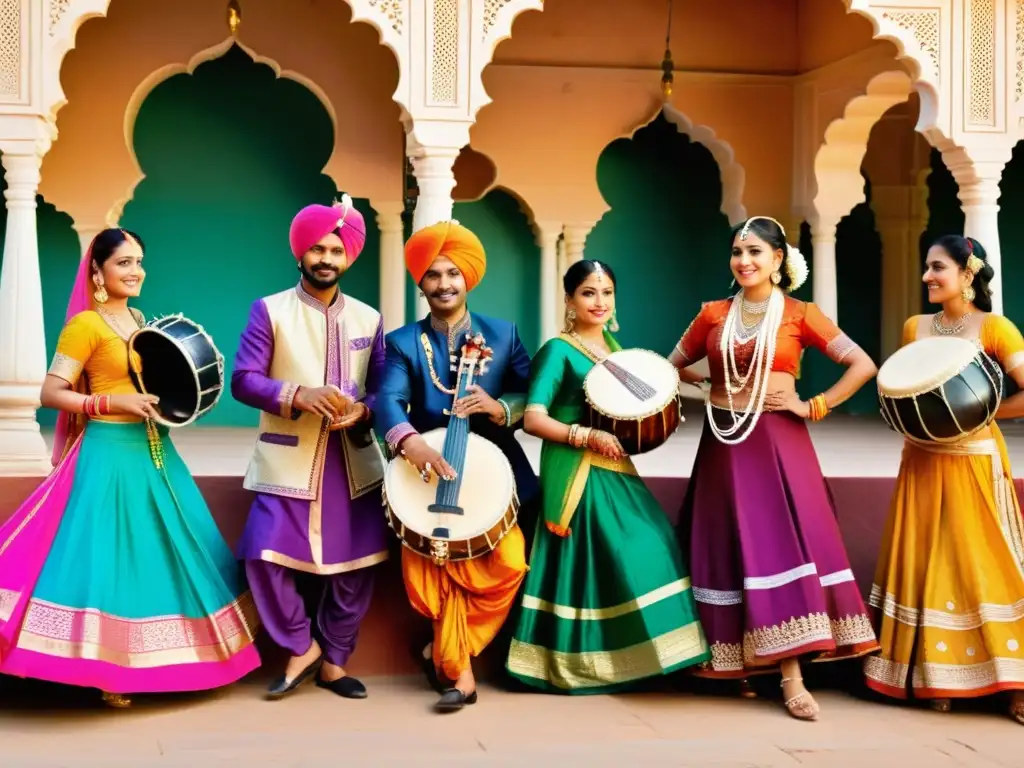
66	17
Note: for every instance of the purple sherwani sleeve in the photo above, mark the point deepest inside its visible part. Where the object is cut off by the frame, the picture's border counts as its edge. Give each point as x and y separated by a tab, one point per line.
375	369
251	383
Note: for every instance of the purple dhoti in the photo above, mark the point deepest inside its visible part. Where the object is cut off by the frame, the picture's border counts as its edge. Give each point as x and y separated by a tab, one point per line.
769	570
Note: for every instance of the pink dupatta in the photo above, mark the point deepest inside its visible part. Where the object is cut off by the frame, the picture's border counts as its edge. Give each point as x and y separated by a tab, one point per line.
26	538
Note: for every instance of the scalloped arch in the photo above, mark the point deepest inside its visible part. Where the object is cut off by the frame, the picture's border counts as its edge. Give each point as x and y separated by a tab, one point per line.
64	30
160	75
837	164
923	65
733	175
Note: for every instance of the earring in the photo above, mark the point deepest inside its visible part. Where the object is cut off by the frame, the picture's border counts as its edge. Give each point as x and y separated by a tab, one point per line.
776	277
613	324
100	294
967	294
570	320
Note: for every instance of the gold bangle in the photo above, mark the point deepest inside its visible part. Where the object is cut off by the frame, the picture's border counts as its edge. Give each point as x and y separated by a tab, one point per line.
571	440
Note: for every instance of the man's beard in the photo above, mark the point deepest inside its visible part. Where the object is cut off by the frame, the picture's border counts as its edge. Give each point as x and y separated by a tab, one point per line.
317	282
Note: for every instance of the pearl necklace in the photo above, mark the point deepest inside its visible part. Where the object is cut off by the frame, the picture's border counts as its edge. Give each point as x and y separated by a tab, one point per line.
949	330
760	367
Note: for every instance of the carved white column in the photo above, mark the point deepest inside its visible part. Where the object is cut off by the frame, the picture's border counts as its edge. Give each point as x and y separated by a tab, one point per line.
548	233
392	264
86	233
435	179
824	279
22	338
978	170
575	240
899	226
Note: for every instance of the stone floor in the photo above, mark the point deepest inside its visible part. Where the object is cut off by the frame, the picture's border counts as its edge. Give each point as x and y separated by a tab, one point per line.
395	727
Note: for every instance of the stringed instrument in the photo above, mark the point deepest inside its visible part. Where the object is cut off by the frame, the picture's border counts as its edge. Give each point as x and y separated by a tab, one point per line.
466	517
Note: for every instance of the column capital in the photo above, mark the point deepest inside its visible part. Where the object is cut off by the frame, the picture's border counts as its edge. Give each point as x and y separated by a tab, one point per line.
389	214
547	231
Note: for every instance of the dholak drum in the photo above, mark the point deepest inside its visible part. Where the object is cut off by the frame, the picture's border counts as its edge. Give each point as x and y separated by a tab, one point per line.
181	365
487	495
634	395
939	389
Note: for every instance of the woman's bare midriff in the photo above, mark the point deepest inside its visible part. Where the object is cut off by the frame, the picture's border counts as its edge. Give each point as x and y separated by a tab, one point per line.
777	382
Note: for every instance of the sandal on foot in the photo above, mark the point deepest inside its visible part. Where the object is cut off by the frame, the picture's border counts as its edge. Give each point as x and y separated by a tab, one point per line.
1017	708
941	705
802	706
117	700
747	691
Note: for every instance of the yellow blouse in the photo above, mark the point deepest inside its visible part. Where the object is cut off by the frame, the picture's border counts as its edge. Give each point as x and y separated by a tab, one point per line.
88	345
998	336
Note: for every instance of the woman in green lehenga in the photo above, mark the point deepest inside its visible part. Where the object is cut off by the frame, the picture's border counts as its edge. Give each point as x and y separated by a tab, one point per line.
607	601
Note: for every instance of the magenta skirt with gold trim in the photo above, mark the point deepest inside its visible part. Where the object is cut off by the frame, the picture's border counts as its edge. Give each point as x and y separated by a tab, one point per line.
770	573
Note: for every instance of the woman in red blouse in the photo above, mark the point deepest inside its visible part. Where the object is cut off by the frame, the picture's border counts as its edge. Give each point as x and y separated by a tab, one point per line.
770	574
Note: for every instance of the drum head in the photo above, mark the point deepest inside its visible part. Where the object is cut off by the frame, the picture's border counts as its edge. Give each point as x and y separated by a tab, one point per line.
487	489
167	373
610	396
923	365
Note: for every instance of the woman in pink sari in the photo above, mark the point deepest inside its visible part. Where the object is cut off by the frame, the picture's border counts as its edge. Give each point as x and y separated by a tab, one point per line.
113	574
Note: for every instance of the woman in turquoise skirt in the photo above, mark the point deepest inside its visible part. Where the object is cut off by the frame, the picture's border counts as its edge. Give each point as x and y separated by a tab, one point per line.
113	574
607	601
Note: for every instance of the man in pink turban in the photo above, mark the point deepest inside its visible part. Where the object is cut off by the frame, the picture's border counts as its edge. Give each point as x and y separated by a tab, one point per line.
310	360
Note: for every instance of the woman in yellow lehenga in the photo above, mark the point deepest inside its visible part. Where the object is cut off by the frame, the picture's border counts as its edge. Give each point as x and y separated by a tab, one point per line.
948	595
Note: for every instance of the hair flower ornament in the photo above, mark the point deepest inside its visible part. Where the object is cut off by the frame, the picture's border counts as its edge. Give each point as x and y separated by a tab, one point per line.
796	268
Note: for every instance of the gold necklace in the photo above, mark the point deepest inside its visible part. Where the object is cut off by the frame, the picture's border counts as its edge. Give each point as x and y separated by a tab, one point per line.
595	354
114	323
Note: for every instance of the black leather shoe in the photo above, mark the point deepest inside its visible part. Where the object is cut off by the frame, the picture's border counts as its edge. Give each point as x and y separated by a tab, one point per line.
427	665
346	687
282	687
453	700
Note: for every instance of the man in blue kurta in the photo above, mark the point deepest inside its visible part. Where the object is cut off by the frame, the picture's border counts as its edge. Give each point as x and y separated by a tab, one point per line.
467	601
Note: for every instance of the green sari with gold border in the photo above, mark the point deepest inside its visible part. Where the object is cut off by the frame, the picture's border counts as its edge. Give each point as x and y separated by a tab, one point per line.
607	601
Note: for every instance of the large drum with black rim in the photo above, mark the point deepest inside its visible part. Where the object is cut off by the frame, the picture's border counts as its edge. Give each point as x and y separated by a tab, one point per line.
939	389
181	365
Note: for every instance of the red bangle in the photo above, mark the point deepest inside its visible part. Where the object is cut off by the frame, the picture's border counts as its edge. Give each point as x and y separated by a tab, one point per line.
87	405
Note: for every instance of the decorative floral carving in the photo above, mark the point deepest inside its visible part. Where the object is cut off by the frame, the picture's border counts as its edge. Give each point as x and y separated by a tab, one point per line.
444	70
57	10
924	25
981	107
491	10
392	9
1020	49
10	49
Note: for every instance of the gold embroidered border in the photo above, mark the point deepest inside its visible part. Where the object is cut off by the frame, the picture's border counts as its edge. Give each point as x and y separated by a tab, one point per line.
57	630
326	569
841	346
286	399
846	632
594	668
65	367
574	492
946	677
961	621
613	612
8	599
1014	361
536	408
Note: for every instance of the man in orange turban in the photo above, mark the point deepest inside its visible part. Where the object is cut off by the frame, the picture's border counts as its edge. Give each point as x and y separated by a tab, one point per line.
468	600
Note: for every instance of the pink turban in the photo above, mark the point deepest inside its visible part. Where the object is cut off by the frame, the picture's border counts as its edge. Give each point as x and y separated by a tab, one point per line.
313	222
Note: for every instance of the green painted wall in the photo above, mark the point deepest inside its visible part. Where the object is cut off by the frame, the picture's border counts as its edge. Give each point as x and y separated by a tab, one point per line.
665	235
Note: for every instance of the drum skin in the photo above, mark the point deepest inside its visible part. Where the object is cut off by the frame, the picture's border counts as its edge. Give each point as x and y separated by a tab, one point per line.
488	517
973	396
181	366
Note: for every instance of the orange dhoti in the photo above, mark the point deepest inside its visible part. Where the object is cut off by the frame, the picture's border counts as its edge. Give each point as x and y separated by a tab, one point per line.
467	600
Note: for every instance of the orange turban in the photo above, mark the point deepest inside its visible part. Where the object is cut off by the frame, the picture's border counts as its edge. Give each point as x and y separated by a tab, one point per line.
449	239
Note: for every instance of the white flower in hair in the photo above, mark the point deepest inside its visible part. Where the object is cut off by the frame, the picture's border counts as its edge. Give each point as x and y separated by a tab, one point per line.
796	268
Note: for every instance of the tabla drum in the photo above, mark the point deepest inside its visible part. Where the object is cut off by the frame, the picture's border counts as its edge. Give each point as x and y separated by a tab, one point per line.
634	395
181	365
939	389
487	498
